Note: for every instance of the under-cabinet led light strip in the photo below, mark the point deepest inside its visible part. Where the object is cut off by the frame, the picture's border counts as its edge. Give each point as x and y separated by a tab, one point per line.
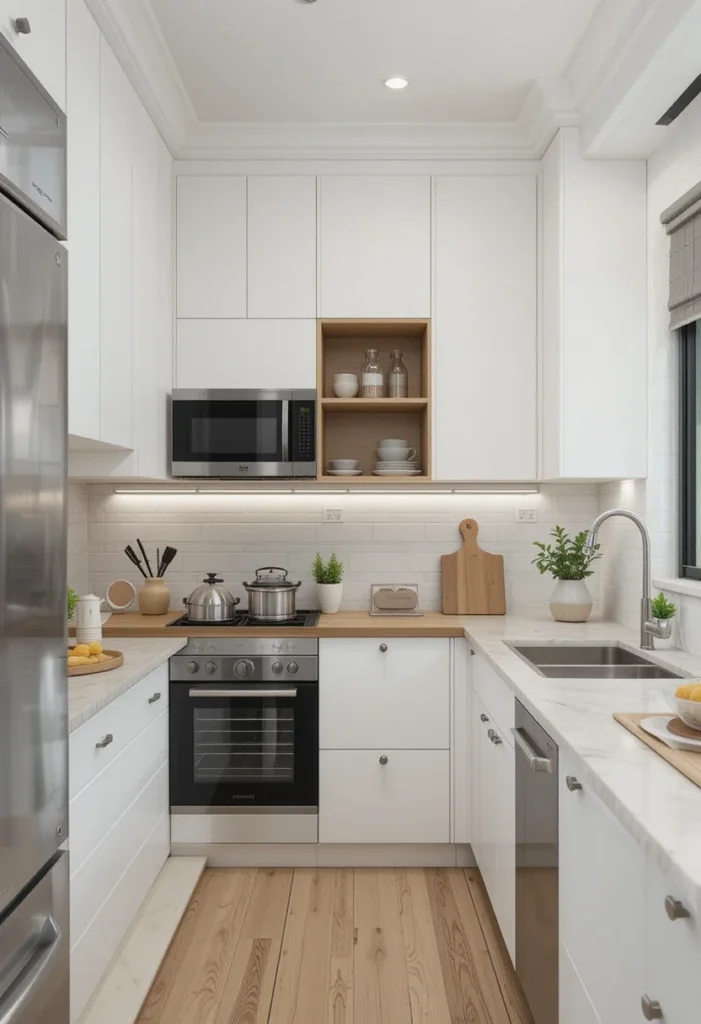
389	489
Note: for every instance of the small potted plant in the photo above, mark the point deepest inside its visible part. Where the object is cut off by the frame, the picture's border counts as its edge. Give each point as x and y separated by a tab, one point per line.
569	561
329	586
72	600
663	611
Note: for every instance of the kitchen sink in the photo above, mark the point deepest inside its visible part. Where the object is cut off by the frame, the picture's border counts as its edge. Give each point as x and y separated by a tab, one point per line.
608	661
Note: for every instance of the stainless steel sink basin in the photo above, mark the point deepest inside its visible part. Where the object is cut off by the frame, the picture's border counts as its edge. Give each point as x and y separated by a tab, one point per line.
608	661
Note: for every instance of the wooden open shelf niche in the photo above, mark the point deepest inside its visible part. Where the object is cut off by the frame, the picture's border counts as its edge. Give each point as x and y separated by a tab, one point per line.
350	428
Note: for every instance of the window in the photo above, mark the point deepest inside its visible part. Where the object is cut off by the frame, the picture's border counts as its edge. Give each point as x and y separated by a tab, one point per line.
690	451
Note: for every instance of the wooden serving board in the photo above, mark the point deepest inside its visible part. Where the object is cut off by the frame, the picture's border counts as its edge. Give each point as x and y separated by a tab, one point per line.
116	659
685	761
473	579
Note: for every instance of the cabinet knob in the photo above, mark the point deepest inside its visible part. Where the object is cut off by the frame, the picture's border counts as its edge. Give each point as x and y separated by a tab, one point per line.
22	26
675	909
101	744
383	648
384	759
573	784
156	696
651	1008
484	718
494	737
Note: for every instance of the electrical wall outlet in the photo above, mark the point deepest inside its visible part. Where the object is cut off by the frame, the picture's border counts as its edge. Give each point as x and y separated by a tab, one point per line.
332	515
526	515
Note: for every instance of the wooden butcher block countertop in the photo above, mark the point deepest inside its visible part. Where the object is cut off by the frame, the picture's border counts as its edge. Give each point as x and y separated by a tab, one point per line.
134	624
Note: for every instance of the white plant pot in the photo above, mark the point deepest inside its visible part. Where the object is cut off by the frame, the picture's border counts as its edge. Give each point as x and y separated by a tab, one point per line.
330	596
571	601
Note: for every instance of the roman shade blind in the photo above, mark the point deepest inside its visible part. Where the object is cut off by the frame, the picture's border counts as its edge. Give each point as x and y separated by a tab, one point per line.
682	221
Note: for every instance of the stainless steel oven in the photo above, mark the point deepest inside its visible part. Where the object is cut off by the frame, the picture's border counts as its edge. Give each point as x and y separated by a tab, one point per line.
243	434
244	740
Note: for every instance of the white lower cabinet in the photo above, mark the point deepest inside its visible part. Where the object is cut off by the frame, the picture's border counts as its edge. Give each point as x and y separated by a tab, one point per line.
493	817
672	945
384	796
119	824
602	881
575	1004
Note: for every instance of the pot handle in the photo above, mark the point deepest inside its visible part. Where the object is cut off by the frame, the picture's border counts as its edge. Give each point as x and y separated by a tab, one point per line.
272	570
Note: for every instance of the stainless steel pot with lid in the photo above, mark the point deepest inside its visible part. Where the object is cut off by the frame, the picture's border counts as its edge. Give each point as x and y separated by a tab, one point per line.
271	596
211	602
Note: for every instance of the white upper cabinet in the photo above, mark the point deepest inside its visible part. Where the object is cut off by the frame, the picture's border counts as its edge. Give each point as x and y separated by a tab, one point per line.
282	247
246	354
485	328
43	47
117	102
211	246
594	372
375	246
83	106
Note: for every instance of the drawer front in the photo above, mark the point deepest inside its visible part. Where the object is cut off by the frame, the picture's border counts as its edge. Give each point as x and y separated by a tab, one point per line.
384	693
123	719
91	954
496	696
673	946
575	1004
406	800
98	806
99	874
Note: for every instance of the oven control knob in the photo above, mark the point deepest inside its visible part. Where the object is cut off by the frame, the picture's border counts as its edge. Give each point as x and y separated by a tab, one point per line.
293	668
210	668
193	667
244	668
277	667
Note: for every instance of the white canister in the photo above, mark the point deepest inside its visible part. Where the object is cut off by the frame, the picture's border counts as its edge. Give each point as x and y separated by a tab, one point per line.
88	619
571	601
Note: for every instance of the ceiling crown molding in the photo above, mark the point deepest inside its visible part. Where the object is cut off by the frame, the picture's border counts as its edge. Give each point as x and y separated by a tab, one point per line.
131	29
549	106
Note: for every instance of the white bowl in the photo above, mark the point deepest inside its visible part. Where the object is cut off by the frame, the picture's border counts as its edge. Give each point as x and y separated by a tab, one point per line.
391	442
688	710
344	464
345	376
345	388
396	454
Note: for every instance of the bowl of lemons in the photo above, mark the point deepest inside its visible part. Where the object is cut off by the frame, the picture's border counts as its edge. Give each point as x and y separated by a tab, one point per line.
686	701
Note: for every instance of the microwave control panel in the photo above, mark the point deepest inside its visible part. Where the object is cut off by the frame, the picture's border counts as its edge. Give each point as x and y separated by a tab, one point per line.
304	432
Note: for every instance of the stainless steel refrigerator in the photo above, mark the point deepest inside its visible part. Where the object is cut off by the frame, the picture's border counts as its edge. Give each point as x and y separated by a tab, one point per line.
34	875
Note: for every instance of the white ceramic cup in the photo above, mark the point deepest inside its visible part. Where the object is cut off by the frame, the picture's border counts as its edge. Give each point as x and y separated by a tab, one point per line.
396	454
344	464
345	385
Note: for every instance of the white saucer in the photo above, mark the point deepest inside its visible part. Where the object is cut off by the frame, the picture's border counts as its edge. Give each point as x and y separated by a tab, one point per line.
657	727
344	472
396	472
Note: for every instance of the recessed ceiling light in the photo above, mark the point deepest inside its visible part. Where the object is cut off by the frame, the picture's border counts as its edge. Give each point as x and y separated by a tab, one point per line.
396	82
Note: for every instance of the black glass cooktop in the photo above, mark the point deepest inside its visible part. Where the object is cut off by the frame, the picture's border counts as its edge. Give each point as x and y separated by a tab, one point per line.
243	619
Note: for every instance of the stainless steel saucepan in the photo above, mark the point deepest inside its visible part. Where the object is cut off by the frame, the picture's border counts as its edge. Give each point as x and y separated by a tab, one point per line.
271	596
210	602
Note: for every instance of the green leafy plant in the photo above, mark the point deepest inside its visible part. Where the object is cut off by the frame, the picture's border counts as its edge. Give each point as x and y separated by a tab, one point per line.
72	602
327	572
568	558
662	608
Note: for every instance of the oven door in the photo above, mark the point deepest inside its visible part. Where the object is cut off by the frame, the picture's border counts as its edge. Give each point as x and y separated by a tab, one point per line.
244	746
230	433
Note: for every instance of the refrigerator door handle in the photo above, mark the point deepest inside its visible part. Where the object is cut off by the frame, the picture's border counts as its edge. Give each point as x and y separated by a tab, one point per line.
24	986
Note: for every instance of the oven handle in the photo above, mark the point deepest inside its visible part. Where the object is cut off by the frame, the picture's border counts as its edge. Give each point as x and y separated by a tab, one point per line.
243	693
285	439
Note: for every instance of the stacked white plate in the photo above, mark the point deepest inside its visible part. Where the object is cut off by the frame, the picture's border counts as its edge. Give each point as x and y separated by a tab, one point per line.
404	468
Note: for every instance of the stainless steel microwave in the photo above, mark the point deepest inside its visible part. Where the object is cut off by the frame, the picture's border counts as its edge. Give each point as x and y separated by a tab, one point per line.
243	434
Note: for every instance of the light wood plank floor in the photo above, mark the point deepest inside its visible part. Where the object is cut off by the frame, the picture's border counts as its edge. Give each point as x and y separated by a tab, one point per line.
352	946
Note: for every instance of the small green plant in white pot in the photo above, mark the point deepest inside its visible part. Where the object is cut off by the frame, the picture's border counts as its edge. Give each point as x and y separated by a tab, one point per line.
569	561
663	611
329	583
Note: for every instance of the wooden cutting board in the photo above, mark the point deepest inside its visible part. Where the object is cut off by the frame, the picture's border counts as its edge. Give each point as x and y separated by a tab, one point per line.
473	580
685	761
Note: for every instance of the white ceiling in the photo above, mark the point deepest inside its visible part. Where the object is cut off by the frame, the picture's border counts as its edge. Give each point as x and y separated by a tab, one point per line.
284	61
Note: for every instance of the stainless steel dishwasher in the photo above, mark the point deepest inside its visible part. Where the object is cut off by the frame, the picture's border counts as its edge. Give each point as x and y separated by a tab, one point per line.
536	866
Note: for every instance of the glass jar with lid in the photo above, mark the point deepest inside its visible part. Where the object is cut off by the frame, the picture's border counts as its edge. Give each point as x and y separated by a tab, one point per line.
372	379
398	376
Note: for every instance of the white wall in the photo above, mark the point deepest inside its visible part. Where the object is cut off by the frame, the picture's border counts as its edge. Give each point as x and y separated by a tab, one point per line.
78	537
383	538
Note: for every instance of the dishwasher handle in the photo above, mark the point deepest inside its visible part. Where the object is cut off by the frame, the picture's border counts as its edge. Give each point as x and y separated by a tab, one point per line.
536	762
25	987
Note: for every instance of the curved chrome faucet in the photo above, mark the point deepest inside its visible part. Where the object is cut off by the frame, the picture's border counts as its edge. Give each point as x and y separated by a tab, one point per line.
648	629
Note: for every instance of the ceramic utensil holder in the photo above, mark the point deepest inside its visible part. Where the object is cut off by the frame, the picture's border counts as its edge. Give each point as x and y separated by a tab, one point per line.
154	597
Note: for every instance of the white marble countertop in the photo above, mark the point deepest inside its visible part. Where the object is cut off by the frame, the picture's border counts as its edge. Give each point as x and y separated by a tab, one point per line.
655	802
89	694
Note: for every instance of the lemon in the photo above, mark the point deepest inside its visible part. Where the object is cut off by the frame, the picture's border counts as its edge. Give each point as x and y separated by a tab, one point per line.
78	659
696	694
81	651
685	690
96	648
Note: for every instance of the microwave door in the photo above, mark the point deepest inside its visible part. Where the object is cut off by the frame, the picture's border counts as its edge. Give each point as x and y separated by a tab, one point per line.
230	437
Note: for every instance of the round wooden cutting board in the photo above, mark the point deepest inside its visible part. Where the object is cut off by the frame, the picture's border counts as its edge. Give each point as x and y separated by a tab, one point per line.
116	659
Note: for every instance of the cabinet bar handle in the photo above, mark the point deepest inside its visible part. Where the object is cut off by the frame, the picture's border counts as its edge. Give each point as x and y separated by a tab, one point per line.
109	738
573	783
651	1008
675	909
156	696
